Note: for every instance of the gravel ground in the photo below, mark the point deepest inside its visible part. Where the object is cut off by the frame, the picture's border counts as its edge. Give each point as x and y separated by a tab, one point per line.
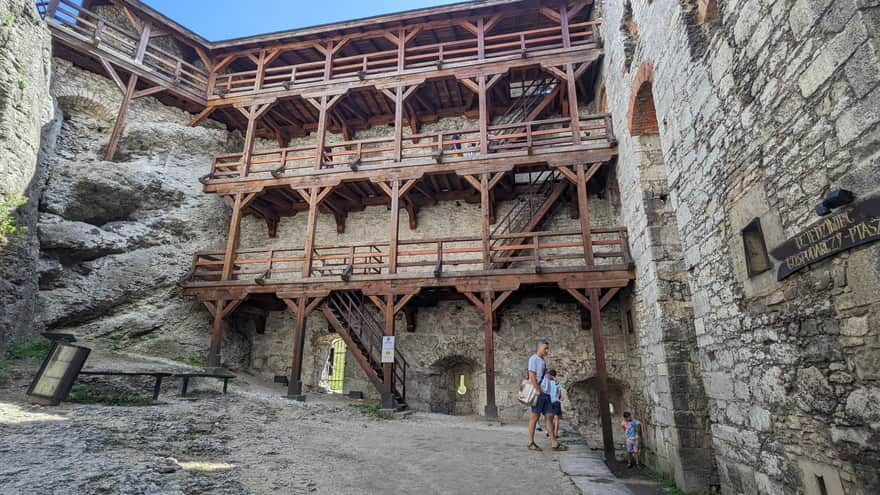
253	441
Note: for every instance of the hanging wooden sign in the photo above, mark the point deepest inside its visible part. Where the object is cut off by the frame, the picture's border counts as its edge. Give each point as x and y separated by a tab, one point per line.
850	226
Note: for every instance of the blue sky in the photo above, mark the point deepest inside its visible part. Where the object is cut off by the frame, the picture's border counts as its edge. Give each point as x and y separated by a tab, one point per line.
224	19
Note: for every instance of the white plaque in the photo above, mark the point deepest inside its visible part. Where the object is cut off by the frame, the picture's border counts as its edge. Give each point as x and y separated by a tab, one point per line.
388	349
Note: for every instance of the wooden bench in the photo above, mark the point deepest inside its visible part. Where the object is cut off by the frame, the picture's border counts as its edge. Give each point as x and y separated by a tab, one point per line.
186	376
158	375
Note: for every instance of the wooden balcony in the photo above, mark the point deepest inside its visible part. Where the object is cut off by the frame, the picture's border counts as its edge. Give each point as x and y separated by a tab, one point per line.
419	262
361	60
522	143
84	31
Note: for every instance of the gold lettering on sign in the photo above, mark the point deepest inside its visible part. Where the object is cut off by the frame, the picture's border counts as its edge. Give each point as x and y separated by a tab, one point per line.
855	224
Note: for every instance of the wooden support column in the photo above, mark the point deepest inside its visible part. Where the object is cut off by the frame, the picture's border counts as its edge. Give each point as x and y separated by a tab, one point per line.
248	140
119	125
232	237
573	103
388	368
484	116
395	226
216	335
489	348
310	231
592	302
146	31
294	384
485	208
398	123
601	372
321	133
584	213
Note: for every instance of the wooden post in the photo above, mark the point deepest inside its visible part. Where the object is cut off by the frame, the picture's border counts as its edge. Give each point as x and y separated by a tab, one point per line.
398	123
601	373
294	385
584	213
481	39
143	42
573	103
489	347
484	209
484	116
563	24
388	368
120	117
401	50
310	232
249	137
322	130
216	336
395	226
232	239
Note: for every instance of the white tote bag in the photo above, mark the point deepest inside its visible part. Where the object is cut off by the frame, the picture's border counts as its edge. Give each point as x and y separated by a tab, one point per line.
527	394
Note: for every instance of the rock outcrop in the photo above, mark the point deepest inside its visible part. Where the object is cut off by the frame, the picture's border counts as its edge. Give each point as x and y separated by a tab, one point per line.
25	114
117	238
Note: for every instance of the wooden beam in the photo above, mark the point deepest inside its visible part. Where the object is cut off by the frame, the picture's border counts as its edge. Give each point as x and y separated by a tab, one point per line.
572	99
216	336
232	238
119	125
486	213
584	213
310	232
489	350
294	384
601	373
606	298
143	42
395	226
113	74
402	302
500	299
484	116
582	299
148	91
387	368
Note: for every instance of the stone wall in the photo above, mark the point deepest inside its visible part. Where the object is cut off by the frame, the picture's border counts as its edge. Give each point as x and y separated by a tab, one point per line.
761	110
25	115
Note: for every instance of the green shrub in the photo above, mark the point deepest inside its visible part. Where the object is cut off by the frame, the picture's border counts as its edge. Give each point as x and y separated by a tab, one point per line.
8	225
34	348
9	19
368	408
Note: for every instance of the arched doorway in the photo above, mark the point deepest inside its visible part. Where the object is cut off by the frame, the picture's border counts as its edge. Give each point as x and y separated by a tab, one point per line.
453	389
333	374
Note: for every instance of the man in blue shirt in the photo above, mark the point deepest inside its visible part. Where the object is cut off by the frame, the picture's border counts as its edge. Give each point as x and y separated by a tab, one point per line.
543	405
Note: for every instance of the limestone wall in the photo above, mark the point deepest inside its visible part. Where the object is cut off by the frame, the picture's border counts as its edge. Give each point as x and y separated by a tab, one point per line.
761	111
25	114
117	238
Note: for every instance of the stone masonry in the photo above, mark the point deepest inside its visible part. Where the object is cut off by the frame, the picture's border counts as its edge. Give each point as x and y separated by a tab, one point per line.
762	107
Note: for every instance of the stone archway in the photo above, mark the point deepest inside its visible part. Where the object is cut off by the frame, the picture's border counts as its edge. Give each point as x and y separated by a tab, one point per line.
447	394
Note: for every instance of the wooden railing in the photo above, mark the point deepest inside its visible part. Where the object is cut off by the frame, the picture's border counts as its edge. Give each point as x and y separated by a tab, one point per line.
330	67
428	257
595	132
106	36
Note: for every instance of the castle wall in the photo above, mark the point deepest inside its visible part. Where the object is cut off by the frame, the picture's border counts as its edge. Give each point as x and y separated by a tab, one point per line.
761	112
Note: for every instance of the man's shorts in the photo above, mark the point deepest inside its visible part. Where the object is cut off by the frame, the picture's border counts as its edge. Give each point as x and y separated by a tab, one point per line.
632	445
557	408
543	405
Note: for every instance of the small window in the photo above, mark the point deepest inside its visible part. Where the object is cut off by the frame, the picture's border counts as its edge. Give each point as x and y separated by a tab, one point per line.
757	260
629	322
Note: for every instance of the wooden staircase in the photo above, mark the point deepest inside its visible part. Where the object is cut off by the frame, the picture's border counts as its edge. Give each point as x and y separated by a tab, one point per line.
347	313
532	209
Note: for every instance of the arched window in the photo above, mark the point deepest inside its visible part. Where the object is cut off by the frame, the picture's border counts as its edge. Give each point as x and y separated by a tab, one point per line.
642	114
707	10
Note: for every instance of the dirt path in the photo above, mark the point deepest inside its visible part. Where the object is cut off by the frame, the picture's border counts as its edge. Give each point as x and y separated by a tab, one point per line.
253	441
